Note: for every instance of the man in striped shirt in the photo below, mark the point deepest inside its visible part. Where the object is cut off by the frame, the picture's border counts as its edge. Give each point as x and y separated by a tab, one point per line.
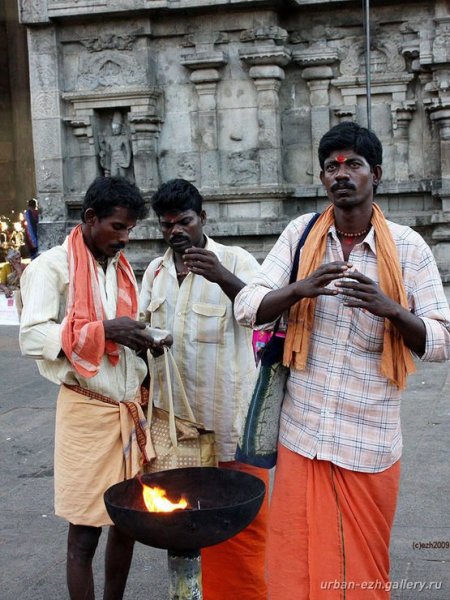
367	295
79	321
190	292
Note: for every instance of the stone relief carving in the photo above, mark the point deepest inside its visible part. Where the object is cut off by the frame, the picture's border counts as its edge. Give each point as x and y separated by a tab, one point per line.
243	167
46	179
43	76
186	167
395	61
385	57
52	208
109	41
193	39
268	33
316	35
441	43
108	69
115	153
45	104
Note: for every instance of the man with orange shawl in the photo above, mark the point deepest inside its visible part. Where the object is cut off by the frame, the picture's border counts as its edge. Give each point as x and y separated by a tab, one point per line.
368	295
80	305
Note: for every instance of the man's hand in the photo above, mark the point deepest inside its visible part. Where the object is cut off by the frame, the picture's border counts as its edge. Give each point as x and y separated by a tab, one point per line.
157	342
316	283
133	334
360	291
277	301
205	263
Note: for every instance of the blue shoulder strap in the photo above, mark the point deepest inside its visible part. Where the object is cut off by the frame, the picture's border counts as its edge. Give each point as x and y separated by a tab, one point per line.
295	264
301	243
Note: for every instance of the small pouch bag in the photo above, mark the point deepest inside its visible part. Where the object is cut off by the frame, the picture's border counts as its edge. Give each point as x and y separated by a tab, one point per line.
178	442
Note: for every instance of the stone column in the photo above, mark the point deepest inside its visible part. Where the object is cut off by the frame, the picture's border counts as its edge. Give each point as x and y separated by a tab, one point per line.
46	118
317	70
145	129
267	82
267	73
82	130
318	79
205	77
402	114
440	115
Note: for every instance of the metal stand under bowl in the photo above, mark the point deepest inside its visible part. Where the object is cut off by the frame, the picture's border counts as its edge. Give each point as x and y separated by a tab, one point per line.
222	502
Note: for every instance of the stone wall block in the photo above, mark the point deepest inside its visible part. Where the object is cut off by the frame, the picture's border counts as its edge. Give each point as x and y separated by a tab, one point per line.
33	12
270	166
49	175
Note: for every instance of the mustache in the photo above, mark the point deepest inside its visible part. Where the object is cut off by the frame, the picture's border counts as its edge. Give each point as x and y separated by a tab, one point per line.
119	246
342	185
179	238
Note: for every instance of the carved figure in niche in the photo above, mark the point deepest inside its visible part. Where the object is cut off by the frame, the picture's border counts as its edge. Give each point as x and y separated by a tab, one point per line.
243	167
115	150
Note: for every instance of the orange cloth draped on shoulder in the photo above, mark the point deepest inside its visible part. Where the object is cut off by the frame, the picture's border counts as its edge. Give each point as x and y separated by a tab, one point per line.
236	569
396	359
83	335
329	530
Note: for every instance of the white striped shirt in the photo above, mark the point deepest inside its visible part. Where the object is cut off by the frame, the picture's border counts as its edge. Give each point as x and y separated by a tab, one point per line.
341	408
44	287
212	351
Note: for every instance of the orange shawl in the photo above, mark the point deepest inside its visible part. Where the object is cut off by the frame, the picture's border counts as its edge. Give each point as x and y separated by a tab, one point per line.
83	335
396	360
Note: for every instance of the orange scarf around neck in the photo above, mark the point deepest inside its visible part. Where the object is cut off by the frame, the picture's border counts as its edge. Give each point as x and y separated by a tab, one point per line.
396	359
83	334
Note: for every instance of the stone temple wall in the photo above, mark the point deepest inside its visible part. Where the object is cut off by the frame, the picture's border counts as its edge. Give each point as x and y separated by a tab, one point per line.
235	97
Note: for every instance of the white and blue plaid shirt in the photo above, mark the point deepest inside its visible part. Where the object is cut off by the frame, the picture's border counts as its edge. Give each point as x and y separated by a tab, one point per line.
340	408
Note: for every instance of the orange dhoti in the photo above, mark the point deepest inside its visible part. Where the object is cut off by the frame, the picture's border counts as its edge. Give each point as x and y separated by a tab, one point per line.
329	530
235	569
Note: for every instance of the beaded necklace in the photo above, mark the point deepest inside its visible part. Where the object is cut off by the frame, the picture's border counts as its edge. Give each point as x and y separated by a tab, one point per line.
350	236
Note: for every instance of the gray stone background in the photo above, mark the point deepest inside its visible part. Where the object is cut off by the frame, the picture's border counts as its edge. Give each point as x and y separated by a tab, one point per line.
234	97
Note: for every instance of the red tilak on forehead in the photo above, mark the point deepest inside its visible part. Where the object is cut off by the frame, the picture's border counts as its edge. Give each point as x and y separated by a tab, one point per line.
341	158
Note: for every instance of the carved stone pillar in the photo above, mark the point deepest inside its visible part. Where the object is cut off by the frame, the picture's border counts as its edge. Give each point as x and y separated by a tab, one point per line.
83	131
318	79
145	130
441	116
47	140
439	111
205	76
267	73
402	114
438	107
317	63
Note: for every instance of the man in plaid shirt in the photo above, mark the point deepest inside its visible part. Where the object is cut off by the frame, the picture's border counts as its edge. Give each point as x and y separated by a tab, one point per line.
368	297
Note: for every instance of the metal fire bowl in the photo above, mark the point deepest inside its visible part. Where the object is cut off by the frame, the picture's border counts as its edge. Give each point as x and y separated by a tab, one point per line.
222	501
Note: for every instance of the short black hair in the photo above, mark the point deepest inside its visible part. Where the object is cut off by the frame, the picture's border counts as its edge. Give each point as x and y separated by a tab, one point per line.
176	195
106	193
32	203
351	136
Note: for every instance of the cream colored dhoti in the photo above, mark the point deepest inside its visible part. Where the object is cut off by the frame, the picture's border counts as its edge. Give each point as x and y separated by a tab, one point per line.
98	442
